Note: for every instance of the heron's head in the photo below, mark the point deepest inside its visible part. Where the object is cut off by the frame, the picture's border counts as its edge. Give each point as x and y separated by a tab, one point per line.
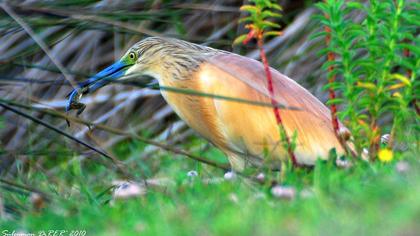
160	58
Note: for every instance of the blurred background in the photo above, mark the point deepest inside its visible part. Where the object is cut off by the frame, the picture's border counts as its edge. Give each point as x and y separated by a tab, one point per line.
49	180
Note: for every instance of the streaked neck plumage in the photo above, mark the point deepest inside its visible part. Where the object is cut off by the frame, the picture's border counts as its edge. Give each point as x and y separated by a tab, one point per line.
171	59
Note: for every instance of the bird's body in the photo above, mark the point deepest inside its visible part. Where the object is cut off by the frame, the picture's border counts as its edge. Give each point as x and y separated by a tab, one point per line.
246	133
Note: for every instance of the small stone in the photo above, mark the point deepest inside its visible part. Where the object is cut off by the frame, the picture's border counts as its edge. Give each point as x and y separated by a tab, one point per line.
261	177
402	167
365	154
128	190
37	200
283	192
230	175
344	133
192	173
343	163
385	138
306	193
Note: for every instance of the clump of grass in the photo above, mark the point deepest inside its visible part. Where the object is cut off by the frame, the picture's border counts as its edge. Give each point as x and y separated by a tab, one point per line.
361	200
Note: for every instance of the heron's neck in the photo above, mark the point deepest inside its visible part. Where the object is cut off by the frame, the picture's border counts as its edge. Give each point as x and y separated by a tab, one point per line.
172	69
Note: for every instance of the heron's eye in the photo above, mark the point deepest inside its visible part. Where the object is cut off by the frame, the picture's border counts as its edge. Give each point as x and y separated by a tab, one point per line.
132	56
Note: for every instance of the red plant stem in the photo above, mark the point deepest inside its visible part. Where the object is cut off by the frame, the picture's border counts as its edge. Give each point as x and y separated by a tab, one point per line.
249	36
406	53
331	79
273	101
331	92
332	95
375	142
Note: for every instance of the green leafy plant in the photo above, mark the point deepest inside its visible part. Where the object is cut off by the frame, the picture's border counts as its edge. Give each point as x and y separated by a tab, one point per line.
372	65
260	26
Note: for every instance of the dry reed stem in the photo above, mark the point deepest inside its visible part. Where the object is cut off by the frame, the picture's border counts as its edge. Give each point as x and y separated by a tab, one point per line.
40	42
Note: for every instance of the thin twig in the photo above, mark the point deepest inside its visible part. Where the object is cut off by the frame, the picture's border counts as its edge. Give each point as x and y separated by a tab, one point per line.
118	164
120	132
25	187
41	122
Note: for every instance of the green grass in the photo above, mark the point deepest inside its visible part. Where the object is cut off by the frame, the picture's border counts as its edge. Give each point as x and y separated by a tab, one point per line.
366	199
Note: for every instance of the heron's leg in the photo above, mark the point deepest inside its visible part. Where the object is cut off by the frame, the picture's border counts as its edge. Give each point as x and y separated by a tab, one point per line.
237	162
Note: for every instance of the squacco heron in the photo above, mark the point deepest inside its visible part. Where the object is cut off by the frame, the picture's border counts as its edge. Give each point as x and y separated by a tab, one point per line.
245	132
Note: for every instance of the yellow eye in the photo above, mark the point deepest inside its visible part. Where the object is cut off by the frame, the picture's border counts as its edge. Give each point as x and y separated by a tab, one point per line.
132	55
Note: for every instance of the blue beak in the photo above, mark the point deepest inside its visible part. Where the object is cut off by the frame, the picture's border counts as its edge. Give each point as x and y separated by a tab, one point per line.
109	74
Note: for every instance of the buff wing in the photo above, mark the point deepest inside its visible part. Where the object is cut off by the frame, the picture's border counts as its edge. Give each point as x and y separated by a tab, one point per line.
251	130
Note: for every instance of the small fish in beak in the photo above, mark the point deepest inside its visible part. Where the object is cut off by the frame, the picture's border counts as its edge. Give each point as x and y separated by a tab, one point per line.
74	103
94	83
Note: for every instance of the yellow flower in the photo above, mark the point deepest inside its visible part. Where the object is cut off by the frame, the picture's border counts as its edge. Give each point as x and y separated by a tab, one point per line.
385	155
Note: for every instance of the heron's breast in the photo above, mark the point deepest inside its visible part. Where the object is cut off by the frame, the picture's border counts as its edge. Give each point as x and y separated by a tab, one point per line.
197	111
247	128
